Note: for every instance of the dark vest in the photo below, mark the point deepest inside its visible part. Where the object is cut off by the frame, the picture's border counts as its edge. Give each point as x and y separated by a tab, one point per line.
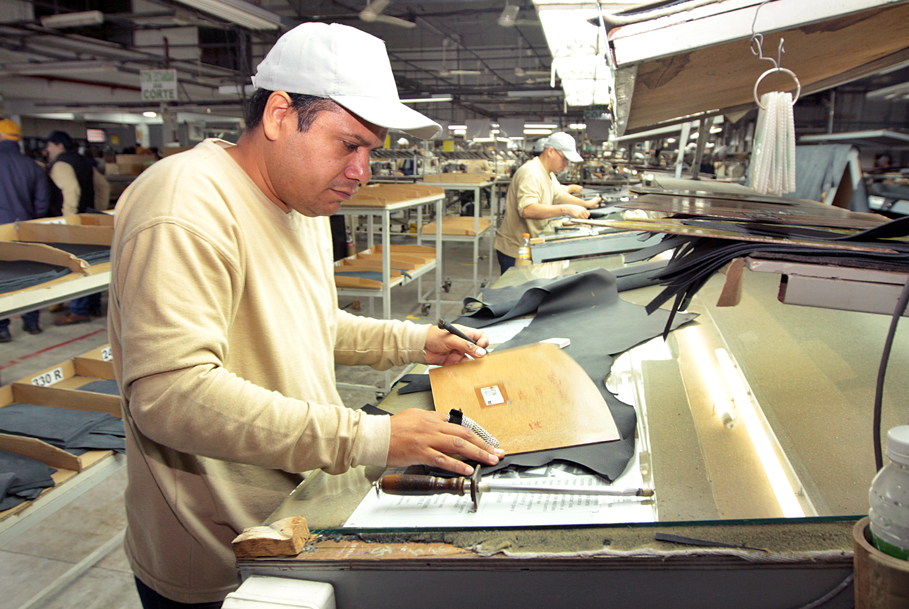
84	176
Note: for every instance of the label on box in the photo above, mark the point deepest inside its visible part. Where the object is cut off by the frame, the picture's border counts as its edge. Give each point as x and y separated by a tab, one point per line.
48	378
106	354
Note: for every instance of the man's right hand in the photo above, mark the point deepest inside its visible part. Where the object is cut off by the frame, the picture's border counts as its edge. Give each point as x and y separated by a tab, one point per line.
421	437
576	211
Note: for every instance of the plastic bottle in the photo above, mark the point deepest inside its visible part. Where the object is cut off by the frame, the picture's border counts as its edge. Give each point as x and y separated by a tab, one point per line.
523	258
889	498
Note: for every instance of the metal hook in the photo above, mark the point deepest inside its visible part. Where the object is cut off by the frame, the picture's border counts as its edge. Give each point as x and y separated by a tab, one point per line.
798	84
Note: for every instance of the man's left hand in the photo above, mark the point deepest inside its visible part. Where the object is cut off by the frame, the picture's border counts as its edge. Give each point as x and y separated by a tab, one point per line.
444	348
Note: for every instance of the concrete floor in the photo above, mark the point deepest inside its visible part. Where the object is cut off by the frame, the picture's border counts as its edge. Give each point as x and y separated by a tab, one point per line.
36	559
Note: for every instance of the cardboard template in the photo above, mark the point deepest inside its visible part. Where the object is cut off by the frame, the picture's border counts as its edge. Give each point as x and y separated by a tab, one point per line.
530	398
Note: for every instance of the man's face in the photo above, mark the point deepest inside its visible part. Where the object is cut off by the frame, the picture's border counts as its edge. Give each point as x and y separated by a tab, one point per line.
314	171
559	162
52	150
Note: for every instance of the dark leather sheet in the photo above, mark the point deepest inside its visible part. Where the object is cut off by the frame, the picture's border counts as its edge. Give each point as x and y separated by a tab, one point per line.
71	430
21	479
586	309
21	274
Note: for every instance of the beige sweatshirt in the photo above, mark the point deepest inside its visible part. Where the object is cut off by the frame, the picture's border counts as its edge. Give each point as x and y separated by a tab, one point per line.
64	177
531	184
225	330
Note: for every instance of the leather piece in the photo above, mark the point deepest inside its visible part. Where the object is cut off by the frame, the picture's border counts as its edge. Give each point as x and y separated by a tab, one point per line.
71	430
21	274
107	387
588	310
22	479
501	304
415	383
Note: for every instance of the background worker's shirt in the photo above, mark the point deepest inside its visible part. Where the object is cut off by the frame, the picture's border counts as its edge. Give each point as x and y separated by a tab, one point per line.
531	184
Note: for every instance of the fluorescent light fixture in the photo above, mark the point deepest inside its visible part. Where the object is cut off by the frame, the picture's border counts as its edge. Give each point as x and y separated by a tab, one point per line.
242	13
693	136
537	131
776	475
723	405
509	15
65	20
426	100
537	93
578	126
463	72
671	140
888	93
517	137
149	114
541	126
456	127
716	129
54	67
484	139
235	89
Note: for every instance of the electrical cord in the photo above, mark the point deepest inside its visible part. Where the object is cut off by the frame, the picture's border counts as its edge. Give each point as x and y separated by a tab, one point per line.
830	595
882	370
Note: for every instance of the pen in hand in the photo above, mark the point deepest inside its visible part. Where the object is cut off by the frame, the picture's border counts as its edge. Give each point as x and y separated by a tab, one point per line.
444	325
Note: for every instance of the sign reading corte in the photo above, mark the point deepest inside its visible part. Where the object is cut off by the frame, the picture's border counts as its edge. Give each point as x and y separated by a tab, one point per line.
158	85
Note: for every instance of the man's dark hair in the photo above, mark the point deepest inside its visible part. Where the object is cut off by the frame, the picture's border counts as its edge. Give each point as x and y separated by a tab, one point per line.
306	107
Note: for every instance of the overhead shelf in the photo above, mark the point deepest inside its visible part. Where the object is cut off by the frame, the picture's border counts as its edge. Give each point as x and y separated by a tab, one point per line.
876	139
699	61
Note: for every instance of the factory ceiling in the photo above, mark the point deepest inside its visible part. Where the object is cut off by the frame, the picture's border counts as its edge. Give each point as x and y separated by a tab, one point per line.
489	56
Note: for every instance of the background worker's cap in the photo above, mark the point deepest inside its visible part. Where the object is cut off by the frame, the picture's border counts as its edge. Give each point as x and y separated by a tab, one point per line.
61	137
346	65
10	130
564	143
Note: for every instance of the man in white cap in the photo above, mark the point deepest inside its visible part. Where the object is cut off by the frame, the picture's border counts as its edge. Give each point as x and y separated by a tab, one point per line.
532	199
568	192
224	323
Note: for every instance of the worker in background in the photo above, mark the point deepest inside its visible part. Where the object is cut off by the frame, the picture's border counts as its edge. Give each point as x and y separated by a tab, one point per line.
72	192
569	191
23	196
224	324
533	199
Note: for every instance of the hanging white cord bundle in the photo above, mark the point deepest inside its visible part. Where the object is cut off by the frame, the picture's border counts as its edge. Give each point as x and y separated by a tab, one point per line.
773	155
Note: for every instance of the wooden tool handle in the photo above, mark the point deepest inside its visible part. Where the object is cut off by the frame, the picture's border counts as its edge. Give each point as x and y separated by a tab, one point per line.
411	484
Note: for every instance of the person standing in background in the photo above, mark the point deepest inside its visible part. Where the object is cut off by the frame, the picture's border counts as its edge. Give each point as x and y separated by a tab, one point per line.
533	200
72	192
23	196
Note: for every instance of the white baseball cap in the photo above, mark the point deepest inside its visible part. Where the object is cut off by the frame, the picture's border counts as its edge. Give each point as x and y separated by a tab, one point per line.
346	65
564	143
540	145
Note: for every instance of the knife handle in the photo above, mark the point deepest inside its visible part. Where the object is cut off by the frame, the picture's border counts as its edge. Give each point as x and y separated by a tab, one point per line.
412	484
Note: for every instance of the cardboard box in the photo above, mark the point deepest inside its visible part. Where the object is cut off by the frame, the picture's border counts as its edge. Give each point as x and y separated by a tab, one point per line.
134	164
98	363
56	386
170	150
66	464
91	229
